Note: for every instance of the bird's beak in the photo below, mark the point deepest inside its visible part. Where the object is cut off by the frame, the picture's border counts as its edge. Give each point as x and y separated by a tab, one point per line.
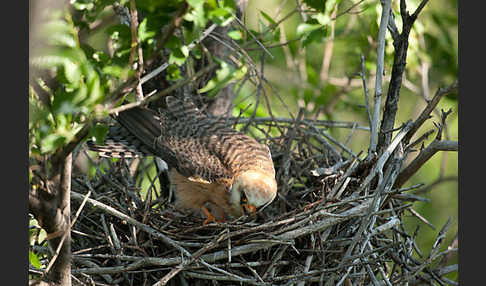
248	209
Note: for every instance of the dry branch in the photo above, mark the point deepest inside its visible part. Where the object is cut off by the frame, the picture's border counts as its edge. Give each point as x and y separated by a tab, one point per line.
431	105
379	77
423	157
400	44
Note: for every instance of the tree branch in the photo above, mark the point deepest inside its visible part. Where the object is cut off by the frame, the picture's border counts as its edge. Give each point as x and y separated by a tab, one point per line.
429	108
423	157
400	44
136	48
61	267
164	92
52	211
379	76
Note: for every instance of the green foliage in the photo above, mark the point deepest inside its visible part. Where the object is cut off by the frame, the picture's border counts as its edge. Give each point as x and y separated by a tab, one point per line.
319	5
98	132
235	35
34	260
84	74
79	88
224	75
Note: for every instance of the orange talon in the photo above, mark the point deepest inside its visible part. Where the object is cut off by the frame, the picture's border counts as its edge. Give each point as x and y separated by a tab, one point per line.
210	218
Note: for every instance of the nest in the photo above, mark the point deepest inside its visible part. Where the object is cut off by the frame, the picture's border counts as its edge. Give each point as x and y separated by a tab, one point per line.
336	221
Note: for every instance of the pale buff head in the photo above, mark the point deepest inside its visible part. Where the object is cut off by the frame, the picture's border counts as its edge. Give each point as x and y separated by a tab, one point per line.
251	190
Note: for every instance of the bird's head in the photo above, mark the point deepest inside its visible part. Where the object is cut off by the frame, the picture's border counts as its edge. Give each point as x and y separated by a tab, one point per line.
251	190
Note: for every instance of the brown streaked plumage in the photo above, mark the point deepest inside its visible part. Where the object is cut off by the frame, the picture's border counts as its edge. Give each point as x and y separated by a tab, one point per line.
209	162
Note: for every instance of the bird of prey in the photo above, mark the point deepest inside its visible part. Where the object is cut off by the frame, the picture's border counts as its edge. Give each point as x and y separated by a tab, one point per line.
209	162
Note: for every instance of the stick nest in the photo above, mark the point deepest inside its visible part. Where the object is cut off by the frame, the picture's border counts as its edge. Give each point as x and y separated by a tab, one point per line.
324	228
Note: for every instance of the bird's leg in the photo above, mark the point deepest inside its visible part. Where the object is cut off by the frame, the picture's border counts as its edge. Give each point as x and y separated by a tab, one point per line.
210	218
214	213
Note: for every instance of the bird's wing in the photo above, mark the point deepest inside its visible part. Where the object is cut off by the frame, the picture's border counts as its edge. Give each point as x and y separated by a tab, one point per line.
119	143
201	148
234	150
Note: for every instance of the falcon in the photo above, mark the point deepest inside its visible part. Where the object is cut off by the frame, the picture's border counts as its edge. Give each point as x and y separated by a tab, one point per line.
209	163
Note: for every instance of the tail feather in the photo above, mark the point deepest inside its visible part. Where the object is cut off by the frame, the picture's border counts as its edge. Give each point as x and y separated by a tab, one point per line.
119	143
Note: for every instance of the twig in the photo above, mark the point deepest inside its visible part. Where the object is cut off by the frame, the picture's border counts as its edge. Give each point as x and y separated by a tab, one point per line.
194	257
163	92
365	88
384	157
136	47
379	76
212	276
253	36
306	122
78	212
420	139
169	31
130	220
161	68
270	28
341	184
421	218
423	157
440	180
429	108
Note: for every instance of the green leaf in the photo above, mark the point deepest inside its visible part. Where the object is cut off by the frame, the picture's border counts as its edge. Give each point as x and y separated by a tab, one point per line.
185	51
117	71
59	33
323	19
83	6
173	42
196	14
235	35
67	107
220	16
143	32
268	18
306	28
59	39
178	56
98	132
224	75
173	73
316	36
195	3
95	93
52	142
47	61
34	260
71	71
243	105
319	5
